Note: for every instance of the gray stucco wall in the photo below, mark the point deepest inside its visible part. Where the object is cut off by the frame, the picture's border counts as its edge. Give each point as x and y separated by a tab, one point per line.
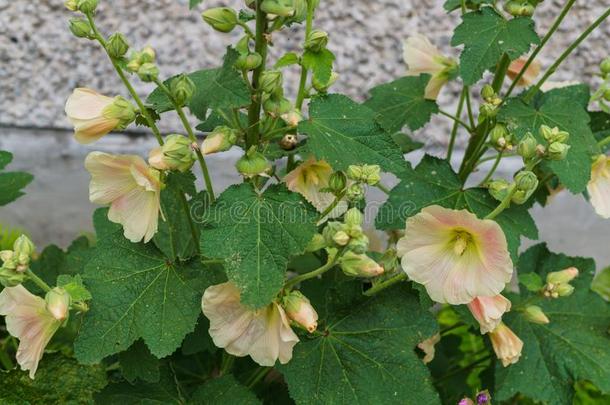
40	64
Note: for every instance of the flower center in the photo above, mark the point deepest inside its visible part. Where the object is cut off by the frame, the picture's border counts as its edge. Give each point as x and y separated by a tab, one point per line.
460	242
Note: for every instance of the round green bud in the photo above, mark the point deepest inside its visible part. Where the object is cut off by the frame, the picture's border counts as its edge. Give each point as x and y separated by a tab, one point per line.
148	72
277	106
182	89
499	189
71	5
221	139
10	277
330	230
117	45
316	40
355	192
488	110
513	8
607	95
147	55
243	45
316	243
488	92
252	164
323	87
353	217
178	153
557	151
527	146
359	244
359	265
500	138
87	6
122	110
80	28
282	8
222	19
270	81
564	290
24	246
553	134
248	61
526	181
337	182
300	11
371	174
355	172
605	66
534	314
527	10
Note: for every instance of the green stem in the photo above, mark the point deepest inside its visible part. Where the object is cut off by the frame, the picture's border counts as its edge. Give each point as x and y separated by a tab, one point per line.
456	120
247	29
454	130
257	376
37	280
469	107
493	169
143	110
604	142
192	137
462	369
332	260
187	211
332	206
504	204
487	159
227	363
304	72
565	54
385	284
546	38
501	73
5	360
260	46
383	188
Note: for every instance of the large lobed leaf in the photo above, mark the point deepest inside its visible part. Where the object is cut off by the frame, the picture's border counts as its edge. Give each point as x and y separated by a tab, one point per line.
257	233
486	36
574	346
224	390
11	183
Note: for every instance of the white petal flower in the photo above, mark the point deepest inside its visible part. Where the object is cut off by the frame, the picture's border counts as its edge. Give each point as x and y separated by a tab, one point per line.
85	110
599	186
422	57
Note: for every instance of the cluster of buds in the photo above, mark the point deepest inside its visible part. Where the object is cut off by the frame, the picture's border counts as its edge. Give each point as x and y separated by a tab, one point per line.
557	148
247	59
322	87
501	139
482	398
143	64
16	262
524	185
253	163
221	139
274	103
182	89
84	6
80	27
602	95
558	283
489	108
347	234
368	174
521	8
175	154
300	311
287	11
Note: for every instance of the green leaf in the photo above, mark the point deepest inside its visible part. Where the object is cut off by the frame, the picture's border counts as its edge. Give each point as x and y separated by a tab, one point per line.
138	363
531	281
214	88
59	380
199	340
401	103
601	283
164	392
288	59
215	119
573	346
406	143
257	233
486	36
138	293
11	183
102	225
562	110
74	286
345	133
320	63
224	390
366	356
451	5
194	3
600	125
433	182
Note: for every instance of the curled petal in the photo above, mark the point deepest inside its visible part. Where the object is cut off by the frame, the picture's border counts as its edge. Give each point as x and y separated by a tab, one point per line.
488	311
506	344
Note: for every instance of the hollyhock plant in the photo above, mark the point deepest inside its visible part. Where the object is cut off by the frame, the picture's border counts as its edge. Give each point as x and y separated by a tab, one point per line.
131	188
488	311
263	334
455	255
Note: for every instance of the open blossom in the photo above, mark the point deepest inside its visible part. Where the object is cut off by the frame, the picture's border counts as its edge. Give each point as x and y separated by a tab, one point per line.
488	311
308	179
427	346
94	115
506	344
264	334
422	57
29	320
131	188
532	71
599	186
455	255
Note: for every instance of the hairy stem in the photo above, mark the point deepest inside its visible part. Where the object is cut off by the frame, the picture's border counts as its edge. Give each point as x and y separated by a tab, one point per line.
456	120
454	130
330	263
493	169
37	280
260	46
385	284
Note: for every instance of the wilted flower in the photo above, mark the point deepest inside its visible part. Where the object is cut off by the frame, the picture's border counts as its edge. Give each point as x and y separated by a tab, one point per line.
599	186
455	255
423	57
131	188
94	115
29	320
263	334
506	344
488	311
427	346
308	179
533	70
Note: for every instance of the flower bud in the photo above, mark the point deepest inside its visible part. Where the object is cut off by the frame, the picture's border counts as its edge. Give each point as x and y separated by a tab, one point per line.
148	55
134	62
299	309
563	276
564	290
253	163
355	192
289	142
292	118
300	11
318	242
156	159
488	92
248	61
121	110
359	265
182	89
177	154
353	217
80	28
337	182
87	6
527	10
500	137
513	8
488	110
605	66
282	8
6	255
330	230
354	172
371	174
71	5
341	238
466	401
277	106
316	41
323	87
10	277
526	181
117	45
219	140
527	146
148	72
222	19
534	314
359	244
58	303
271	80
499	189
552	135
483	398
557	151
24	246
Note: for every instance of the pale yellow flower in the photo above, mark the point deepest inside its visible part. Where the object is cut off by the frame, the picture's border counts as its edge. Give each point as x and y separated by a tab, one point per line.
263	334
29	320
488	311
131	188
422	57
528	78
455	255
599	186
506	344
427	346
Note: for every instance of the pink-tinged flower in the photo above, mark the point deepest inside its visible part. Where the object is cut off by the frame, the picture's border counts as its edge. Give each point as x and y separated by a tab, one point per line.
299	309
94	115
131	188
506	344
455	255
516	66
29	320
427	346
422	57
599	186
263	334
308	179
488	311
